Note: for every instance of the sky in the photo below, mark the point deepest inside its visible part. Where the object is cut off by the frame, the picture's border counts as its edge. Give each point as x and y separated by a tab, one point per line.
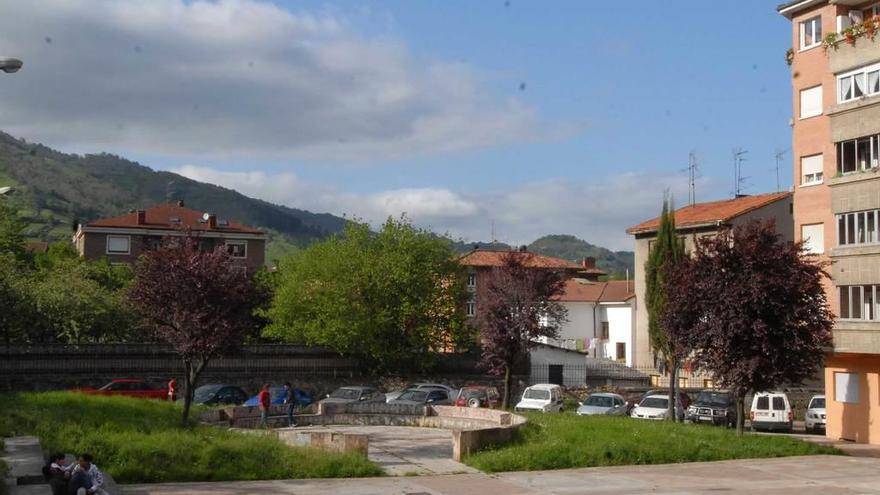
522	118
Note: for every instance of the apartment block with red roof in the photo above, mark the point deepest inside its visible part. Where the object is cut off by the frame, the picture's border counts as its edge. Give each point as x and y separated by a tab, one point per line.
835	81
693	222
122	239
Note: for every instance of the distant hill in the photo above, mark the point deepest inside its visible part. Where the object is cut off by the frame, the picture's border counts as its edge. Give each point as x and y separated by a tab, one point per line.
567	247
53	190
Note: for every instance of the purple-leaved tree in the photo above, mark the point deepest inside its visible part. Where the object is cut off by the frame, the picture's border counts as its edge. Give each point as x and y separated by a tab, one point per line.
519	307
197	301
750	309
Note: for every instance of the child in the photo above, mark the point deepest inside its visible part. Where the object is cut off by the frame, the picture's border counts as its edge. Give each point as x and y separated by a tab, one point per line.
86	478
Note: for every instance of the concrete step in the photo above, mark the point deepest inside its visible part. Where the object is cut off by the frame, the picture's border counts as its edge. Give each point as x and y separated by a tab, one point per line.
24	456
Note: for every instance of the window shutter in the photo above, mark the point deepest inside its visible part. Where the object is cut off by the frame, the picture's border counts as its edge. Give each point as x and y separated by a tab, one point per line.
811	165
811	102
814	238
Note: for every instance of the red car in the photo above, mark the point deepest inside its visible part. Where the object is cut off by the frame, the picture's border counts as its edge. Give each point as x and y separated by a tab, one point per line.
478	396
130	387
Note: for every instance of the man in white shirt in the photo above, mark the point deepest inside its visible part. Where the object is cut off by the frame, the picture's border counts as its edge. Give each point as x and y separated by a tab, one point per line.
86	478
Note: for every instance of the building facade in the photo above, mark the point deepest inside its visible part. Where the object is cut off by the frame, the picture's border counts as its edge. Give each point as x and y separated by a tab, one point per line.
835	67
122	239
693	222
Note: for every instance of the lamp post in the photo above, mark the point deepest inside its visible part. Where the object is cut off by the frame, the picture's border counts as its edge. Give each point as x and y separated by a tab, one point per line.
10	65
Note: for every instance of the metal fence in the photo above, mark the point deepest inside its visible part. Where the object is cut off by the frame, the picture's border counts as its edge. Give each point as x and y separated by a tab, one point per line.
606	373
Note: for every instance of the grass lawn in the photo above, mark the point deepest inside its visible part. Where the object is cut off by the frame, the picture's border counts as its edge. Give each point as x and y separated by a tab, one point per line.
142	441
557	441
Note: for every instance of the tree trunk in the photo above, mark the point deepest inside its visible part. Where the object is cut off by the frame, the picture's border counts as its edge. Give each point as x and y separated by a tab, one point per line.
505	402
673	375
190	378
676	396
740	413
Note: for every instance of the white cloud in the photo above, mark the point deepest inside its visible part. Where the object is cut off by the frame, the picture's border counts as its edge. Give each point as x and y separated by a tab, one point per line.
598	211
239	78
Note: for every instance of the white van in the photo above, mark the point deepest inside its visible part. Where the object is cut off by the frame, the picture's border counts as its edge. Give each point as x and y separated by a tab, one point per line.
543	397
771	411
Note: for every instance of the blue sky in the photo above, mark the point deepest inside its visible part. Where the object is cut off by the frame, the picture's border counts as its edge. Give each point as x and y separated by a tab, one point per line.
542	117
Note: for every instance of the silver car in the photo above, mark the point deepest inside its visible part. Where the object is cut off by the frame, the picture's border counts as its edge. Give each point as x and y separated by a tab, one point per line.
390	396
345	395
814	419
423	396
603	403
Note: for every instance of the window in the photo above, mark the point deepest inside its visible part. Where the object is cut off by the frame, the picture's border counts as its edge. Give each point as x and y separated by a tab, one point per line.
846	387
857	155
237	249
858	83
814	238
472	280
778	404
763	403
621	351
858	227
811	102
605	330
811	169
471	308
859	302
811	32
118	244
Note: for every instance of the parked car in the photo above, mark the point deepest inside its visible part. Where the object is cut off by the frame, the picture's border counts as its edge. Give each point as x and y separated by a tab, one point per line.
716	407
451	392
277	395
343	395
654	407
814	419
219	394
602	403
423	396
543	397
771	411
130	387
478	396
683	398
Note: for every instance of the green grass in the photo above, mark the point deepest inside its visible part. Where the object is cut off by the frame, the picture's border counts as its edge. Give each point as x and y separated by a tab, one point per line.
569	441
142	441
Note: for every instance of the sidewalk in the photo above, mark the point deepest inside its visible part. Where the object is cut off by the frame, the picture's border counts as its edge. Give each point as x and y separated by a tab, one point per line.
790	475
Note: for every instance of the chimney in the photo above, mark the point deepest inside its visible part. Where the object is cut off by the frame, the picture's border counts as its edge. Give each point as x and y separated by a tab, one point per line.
523	249
588	262
180	203
141	216
212	221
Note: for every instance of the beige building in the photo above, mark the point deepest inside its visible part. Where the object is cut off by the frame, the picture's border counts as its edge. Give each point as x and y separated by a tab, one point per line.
692	222
835	74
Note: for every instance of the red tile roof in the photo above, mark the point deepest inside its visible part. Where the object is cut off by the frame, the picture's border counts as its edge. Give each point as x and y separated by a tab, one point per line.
712	212
486	258
160	217
580	290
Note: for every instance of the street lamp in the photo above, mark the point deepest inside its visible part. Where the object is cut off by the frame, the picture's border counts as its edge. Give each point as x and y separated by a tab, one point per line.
10	65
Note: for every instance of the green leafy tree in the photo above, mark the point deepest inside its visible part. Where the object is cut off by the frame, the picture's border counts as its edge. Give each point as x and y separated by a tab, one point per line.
11	227
18	316
667	249
389	298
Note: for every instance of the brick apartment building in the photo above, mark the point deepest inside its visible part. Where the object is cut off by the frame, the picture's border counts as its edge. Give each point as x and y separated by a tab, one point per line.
123	238
836	147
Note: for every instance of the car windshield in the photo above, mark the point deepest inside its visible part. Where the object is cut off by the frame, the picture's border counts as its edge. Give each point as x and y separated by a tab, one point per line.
818	403
471	393
537	394
413	395
345	393
599	401
205	392
714	398
657	402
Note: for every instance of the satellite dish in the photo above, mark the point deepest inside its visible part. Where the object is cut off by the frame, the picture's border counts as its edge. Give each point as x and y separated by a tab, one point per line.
206	216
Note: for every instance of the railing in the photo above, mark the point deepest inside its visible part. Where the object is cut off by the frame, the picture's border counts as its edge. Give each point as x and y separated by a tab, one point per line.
598	372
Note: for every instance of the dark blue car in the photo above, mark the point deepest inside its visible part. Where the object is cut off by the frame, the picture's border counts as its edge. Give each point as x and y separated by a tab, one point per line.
278	394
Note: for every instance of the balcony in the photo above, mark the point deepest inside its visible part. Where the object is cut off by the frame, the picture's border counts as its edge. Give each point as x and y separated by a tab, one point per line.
844	57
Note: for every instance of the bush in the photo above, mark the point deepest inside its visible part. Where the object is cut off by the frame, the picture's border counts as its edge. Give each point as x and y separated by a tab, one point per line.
142	441
558	441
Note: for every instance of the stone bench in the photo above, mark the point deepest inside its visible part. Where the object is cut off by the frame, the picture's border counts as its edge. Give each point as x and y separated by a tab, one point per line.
25	459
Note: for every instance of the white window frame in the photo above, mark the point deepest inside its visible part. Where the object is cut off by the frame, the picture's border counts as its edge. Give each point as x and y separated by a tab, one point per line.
867	303
867	218
128	242
817	40
810	243
472	280
815	177
237	243
801	114
846	387
851	75
471	308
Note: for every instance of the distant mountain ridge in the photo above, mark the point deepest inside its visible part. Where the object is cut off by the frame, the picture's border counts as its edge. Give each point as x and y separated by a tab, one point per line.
55	190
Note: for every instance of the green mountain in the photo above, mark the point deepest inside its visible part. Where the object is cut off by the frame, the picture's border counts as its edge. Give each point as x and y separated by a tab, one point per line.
567	247
54	190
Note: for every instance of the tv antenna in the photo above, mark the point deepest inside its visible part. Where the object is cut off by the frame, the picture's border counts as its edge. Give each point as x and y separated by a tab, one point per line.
738	180
780	154
693	170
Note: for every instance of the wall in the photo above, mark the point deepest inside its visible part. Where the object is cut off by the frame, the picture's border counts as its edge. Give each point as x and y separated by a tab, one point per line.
857	422
621	325
581	324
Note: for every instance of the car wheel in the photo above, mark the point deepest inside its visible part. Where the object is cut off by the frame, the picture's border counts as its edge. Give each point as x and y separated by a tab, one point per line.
473	402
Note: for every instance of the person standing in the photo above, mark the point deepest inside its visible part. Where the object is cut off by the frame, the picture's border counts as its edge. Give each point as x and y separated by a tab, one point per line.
172	384
265	399
291	401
